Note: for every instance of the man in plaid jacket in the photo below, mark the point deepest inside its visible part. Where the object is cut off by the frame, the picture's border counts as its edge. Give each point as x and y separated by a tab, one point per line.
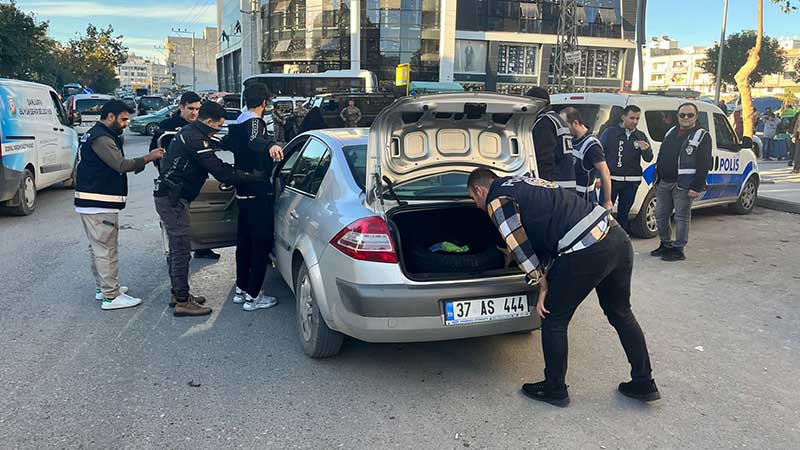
567	246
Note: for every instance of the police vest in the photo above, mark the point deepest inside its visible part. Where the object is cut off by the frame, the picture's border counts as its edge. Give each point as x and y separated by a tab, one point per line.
584	176
563	170
687	157
98	185
623	158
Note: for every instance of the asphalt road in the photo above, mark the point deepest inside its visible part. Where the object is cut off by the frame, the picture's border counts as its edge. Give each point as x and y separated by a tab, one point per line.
722	329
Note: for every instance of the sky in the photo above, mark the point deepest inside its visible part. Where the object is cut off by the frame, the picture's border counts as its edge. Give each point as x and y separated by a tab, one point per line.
145	23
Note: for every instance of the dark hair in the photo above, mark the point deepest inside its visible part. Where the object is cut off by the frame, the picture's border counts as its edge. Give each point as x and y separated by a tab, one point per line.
255	95
572	115
696	111
631	108
482	176
538	92
115	107
189	97
211	110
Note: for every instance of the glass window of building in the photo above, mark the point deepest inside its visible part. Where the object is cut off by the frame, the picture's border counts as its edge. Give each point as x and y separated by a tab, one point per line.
517	59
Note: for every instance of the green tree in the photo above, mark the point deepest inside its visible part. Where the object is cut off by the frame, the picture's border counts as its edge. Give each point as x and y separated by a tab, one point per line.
92	58
771	57
25	48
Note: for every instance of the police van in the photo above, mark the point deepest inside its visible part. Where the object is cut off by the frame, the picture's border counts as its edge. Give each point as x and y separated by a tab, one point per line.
38	148
733	179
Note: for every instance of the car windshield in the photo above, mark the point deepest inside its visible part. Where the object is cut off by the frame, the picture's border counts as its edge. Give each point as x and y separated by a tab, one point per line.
596	117
151	102
90	105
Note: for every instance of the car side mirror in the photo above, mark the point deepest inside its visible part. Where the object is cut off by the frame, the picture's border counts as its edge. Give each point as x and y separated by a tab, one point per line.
747	142
74	118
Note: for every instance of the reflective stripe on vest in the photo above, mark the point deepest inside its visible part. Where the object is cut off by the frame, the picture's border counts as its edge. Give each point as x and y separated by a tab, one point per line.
626	178
579	153
567	184
101	197
687	171
585	189
580	229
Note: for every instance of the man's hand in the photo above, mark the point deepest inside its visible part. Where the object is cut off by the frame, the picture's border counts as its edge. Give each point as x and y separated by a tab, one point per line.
643	145
155	154
541	311
608	205
694	195
276	153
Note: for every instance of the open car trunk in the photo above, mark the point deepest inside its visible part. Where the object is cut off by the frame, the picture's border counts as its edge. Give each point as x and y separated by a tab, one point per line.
417	228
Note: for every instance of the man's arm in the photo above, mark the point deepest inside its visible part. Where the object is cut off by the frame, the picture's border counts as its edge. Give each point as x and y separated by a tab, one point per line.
258	140
106	149
545	142
224	172
504	212
342	115
358	115
703	162
647	153
597	158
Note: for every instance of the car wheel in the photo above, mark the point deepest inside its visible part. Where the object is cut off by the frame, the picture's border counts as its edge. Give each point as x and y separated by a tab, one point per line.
25	200
151	129
645	225
747	199
318	340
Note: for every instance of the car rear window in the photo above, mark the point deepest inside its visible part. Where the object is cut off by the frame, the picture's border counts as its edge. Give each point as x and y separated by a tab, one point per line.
356	156
659	122
90	105
151	102
596	117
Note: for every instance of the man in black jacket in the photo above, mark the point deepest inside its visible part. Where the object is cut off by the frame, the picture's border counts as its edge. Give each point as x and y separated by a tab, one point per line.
625	146
254	150
188	161
684	160
553	143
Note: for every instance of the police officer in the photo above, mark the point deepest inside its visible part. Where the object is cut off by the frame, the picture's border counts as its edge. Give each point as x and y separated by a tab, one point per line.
254	150
625	146
684	160
589	159
188	161
568	246
553	143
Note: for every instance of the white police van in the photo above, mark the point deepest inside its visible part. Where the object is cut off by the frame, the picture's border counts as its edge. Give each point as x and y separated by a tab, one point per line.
733	179
38	148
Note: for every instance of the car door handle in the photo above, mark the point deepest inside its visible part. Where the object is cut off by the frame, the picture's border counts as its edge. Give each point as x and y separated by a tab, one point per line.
57	129
294	215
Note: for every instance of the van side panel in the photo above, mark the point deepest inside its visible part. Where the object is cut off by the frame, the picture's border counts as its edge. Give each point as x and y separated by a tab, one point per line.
17	139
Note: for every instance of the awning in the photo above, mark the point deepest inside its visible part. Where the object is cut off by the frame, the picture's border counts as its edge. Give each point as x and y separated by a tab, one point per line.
607	16
529	10
580	14
283	45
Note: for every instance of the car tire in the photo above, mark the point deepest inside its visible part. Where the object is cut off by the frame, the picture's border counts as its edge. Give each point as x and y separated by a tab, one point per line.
317	339
150	129
747	199
421	259
644	225
24	203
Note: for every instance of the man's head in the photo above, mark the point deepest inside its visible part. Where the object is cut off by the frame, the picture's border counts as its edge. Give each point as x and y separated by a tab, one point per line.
189	106
478	184
770	115
351	103
687	115
256	96
630	117
115	115
538	92
574	121
213	115
768	110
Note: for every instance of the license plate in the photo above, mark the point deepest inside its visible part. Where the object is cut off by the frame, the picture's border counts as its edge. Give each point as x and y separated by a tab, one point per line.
461	312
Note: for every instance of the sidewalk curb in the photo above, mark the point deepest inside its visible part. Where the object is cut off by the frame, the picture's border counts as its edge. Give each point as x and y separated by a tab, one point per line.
778	205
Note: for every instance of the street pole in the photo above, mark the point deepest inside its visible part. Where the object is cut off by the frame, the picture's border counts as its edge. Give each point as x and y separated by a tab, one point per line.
721	47
640	39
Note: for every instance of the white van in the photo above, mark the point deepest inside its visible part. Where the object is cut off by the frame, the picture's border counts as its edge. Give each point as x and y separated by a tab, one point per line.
37	146
733	179
84	110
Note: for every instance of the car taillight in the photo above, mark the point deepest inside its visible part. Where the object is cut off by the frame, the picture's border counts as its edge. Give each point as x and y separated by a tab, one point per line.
366	239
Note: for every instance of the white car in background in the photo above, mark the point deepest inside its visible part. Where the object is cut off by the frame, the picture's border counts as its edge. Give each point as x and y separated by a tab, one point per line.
83	110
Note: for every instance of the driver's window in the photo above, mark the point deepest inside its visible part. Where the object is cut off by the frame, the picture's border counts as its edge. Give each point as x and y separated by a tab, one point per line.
58	109
724	134
304	170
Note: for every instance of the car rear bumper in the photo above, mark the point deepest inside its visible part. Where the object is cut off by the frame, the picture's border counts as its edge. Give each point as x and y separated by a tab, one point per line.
9	183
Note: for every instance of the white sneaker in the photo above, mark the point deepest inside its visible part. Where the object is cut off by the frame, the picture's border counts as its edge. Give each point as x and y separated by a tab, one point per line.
260	302
98	294
123	301
238	297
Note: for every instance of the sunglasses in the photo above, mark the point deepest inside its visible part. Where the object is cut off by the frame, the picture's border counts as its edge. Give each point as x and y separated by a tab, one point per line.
686	115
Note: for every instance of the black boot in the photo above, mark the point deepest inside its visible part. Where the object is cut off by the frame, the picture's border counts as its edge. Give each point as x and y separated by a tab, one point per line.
645	391
546	392
674	254
660	251
206	254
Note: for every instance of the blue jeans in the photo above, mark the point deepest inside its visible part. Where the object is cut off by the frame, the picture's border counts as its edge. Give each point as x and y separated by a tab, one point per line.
671	197
766	152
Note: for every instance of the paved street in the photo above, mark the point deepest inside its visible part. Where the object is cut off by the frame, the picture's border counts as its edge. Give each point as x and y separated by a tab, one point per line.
722	329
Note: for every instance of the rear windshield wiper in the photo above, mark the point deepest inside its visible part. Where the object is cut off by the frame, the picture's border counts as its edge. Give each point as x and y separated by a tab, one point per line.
390	186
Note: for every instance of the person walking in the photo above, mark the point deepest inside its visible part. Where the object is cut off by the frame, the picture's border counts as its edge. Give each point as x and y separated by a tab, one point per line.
101	192
553	143
795	160
254	150
567	246
771	123
684	160
589	159
350	115
625	146
188	161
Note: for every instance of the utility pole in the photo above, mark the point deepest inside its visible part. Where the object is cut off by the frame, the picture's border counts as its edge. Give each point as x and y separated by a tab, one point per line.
255	8
567	54
194	59
641	11
718	80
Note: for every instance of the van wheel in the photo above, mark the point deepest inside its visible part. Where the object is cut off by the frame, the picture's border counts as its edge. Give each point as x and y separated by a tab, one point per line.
24	203
747	199
318	340
151	129
645	225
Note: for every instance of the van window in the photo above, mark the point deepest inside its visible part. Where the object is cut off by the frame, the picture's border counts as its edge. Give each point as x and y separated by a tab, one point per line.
724	134
596	117
90	106
59	109
659	122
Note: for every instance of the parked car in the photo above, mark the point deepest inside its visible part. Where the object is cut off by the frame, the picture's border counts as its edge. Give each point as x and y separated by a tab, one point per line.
357	210
83	110
148	123
331	105
130	100
733	180
231	114
38	148
149	103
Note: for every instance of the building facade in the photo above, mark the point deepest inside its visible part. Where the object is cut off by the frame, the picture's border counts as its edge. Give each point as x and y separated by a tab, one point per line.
494	45
670	67
138	72
203	49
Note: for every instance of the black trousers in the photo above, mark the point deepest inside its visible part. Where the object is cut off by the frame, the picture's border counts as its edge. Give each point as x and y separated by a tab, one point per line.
626	192
605	266
254	240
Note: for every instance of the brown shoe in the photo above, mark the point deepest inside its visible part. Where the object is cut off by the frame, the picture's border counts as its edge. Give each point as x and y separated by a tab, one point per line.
197	299
190	308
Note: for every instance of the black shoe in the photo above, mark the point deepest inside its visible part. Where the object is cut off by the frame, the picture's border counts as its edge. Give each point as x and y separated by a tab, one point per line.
206	254
545	392
660	251
645	391
674	254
